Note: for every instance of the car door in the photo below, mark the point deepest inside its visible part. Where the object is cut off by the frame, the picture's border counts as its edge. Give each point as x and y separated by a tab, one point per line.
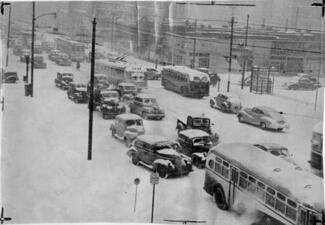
148	153
257	115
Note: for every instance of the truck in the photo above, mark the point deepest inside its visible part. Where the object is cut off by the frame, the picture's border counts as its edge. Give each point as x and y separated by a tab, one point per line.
200	122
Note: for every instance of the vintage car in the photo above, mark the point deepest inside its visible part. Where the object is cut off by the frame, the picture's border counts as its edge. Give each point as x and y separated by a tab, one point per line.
127	90
158	154
63	59
263	116
226	102
304	83
108	102
127	127
53	55
195	144
100	81
39	62
198	122
277	150
147	107
77	92
10	77
152	74
62	80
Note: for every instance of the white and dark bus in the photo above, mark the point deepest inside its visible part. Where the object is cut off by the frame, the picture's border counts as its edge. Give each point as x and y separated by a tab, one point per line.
185	81
240	176
316	155
120	71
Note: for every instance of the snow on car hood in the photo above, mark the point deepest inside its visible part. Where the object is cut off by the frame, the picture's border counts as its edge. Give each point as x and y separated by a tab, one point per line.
168	151
82	89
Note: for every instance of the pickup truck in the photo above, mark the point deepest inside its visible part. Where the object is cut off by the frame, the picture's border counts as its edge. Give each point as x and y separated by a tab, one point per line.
198	122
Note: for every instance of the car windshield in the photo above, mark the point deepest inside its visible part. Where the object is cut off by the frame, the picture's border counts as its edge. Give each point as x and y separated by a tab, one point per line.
197	122
163	145
133	122
150	101
201	140
280	152
81	86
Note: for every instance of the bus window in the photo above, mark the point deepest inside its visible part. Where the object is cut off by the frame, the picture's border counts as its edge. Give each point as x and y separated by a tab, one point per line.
242	182
225	172
252	184
243	174
234	175
225	164
218	160
280	206
269	198
291	211
260	191
280	196
217	167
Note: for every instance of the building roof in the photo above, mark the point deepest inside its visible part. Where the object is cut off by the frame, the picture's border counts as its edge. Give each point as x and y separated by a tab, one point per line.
192	133
298	185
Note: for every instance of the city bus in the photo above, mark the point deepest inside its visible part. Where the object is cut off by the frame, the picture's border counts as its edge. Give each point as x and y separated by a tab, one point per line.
316	155
121	71
245	179
74	49
186	81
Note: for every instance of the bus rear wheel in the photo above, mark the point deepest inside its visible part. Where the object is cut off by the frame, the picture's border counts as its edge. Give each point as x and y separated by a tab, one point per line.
220	198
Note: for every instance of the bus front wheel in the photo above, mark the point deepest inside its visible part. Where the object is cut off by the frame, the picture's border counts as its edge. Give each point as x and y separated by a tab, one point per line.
220	198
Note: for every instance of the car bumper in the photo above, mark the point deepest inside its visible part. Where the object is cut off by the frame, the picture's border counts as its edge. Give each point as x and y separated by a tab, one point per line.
155	115
277	126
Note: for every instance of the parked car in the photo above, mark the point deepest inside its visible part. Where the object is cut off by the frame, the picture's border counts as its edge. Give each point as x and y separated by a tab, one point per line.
152	74
101	81
53	55
63	80
10	77
127	127
63	59
39	62
200	122
277	150
304	83
263	116
107	101
77	92
158	154
226	102
147	107
195	143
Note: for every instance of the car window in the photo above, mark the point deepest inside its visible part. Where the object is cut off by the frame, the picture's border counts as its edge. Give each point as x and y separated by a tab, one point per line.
150	101
280	152
133	122
201	122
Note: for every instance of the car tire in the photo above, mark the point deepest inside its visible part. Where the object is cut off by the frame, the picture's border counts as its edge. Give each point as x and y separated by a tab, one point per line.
240	118
263	126
220	198
135	159
162	172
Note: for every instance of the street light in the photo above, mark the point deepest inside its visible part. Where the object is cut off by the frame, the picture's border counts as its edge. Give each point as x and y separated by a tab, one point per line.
30	86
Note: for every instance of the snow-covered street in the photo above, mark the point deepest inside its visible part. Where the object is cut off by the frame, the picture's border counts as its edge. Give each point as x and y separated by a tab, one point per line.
46	176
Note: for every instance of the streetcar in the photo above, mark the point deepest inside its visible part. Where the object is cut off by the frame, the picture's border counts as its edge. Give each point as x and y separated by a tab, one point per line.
186	81
120	71
243	178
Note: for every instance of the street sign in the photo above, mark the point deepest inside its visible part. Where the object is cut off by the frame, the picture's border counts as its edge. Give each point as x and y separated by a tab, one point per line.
154	178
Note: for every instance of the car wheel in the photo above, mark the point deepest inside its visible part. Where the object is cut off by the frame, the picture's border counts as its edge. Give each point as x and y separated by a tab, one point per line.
240	118
135	159
263	125
220	198
162	172
211	103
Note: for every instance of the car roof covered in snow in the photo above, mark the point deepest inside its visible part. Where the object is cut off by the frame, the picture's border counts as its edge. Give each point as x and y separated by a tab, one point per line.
188	71
265	108
192	133
126	84
318	128
152	139
275	172
270	145
128	116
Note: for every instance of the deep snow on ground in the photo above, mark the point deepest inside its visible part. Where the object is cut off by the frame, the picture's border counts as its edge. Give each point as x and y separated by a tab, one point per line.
46	176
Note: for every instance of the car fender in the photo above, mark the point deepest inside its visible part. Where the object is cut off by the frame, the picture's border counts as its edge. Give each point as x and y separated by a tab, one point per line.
214	102
266	120
163	162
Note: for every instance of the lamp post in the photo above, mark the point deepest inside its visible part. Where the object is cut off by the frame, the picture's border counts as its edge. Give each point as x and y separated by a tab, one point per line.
8	38
31	87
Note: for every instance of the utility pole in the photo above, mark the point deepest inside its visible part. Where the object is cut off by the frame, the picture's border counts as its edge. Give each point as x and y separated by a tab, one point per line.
91	96
8	39
194	44
32	54
230	51
245	45
112	32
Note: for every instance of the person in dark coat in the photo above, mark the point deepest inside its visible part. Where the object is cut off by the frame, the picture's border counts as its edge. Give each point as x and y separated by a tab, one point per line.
78	65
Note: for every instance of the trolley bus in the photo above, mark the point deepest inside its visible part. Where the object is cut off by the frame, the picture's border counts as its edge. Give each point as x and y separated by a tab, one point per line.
120	71
316	157
75	49
186	81
241	176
